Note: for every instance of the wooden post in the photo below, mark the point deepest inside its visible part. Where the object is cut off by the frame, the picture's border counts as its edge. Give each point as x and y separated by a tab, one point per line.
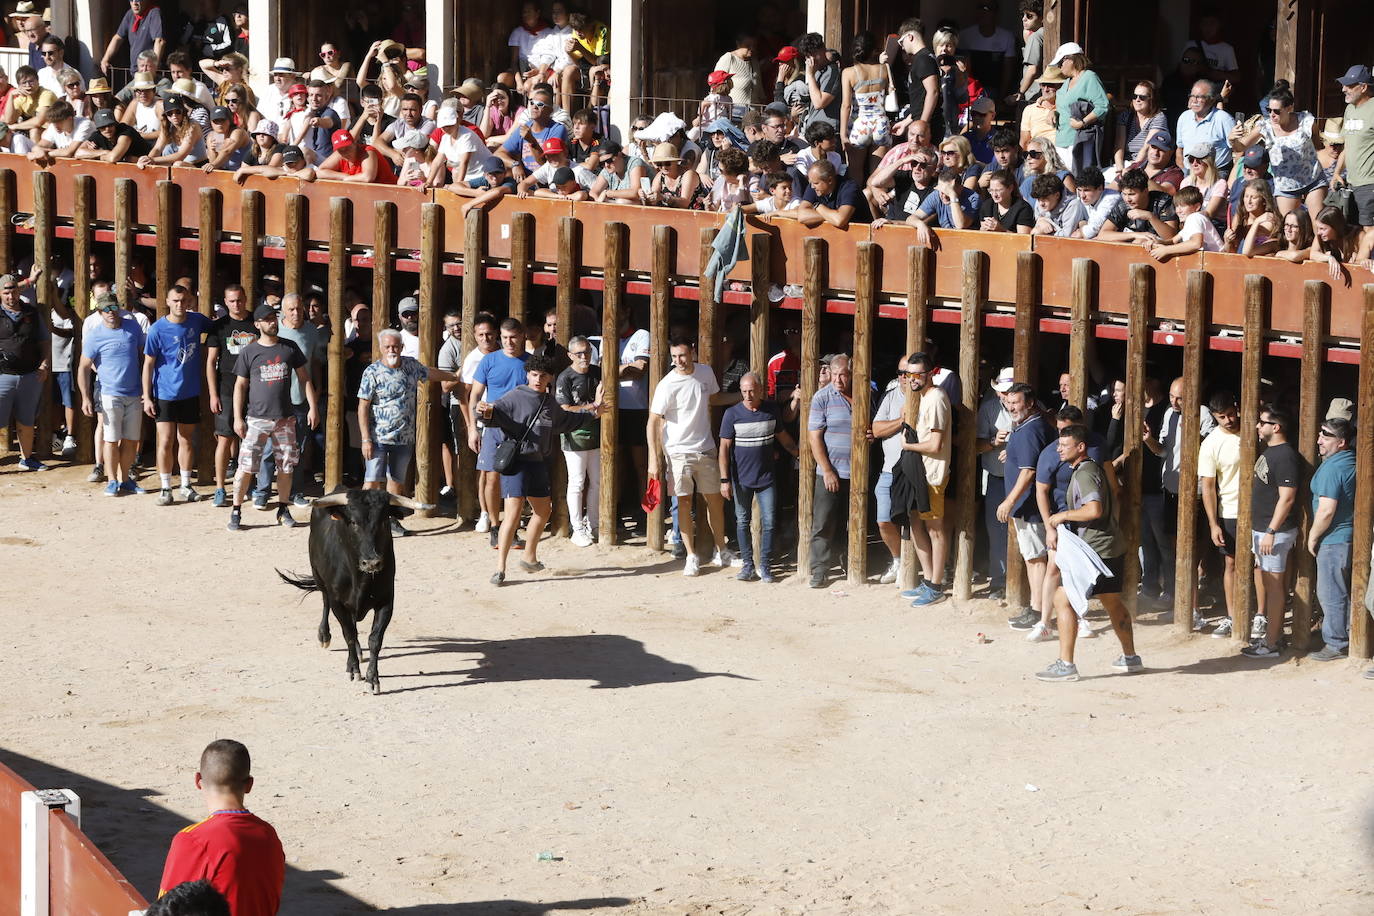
250	261
866	272
207	255
813	287
83	209
1025	359
1084	279
297	234
474	259
340	226
168	234
966	416
1364	488
1197	325
569	258
1252	359
44	216
7	199
760	278
383	251
125	195
1316	296
428	420
917	321
661	291
708	329
521	260
614	291
1142	292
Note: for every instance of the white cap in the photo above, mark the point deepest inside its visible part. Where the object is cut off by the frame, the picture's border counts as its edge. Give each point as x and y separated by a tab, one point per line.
284	65
447	117
1005	379
1067	48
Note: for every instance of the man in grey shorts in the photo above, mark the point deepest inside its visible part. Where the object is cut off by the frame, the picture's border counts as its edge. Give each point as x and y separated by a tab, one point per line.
114	349
1274	518
25	342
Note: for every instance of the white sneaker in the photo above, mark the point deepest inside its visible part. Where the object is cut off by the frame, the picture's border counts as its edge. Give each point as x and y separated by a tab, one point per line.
1085	629
1040	633
1223	629
890	576
693	565
722	557
1199	622
580	538
1258	626
483	523
68	446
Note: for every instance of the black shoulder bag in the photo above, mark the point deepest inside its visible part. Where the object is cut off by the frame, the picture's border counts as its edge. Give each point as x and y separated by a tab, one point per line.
508	449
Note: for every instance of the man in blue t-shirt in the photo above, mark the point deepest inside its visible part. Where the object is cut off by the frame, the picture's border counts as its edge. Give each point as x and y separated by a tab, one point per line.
828	428
540	126
1331	532
1028	439
173	367
499	372
749	431
831	198
112	349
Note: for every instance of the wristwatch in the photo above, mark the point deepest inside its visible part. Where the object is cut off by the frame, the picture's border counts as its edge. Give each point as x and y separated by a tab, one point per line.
725	480
1268	530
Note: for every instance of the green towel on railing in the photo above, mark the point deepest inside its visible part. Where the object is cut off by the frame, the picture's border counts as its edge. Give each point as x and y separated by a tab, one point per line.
727	250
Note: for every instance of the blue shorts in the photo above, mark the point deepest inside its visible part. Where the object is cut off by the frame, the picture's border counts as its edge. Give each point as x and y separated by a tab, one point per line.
486	455
389	462
1300	193
64	388
882	497
19	398
526	477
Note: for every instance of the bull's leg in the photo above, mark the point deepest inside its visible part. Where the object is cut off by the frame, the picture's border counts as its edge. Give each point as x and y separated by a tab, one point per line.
380	619
324	626
350	634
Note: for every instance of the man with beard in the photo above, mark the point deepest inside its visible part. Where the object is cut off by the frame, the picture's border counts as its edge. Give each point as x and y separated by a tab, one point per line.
409	312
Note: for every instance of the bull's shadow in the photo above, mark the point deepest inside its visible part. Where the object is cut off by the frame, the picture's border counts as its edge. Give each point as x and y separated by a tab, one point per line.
606	660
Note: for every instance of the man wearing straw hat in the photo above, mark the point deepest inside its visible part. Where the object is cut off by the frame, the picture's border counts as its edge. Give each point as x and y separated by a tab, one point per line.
30	28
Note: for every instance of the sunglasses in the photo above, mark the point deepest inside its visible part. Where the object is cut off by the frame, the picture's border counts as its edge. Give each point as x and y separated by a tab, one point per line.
1274	112
329	53
921	164
1327	433
949	152
1140	97
1027	15
233	101
1034	154
1189	60
48	53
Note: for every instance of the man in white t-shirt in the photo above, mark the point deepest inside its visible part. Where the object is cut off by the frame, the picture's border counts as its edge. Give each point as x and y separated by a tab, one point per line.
1222	64
460	153
275	101
934	440
409	312
1196	232
887	429
523	37
680	426
410	121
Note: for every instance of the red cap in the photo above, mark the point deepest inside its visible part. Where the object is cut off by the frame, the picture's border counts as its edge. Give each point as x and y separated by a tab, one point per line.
717	77
553	145
341	139
298	89
787	53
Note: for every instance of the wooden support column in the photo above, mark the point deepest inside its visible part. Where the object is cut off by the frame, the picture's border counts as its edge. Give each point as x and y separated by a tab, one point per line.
660	294
168	231
1316	303
428	406
44	218
966	419
340	227
1084	299
1197	325
474	259
1025	363
918	280
569	258
1360	631
866	270
521	259
383	267
125	196
209	230
250	261
614	291
708	317
83	211
1142	292
297	234
1252	361
760	307
7	208
813	288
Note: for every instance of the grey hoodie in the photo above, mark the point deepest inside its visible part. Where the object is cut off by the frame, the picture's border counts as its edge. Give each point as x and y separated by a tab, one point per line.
512	414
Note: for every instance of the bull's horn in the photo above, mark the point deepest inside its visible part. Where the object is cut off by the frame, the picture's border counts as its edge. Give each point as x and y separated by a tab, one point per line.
405	502
333	499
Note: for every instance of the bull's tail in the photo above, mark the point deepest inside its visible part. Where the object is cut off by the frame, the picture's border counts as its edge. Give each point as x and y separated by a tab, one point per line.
305	583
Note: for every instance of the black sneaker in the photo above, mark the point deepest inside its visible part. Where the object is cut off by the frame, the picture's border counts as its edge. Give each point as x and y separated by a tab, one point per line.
284	517
1024	620
235	516
817	580
679	550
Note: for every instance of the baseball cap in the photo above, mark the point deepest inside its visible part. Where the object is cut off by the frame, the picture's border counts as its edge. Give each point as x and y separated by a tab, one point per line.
716	77
563	175
779	108
219	114
1256	157
1067	48
263	312
984	105
1005	379
1356	74
102	302
104	118
291	155
447	118
416	139
173	104
341	139
267	127
1162	140
553	145
786	53
283	65
1199	150
297	89
408	305
493	164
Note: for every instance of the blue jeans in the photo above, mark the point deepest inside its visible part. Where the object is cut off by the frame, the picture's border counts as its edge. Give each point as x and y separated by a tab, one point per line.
1333	591
744	518
267	470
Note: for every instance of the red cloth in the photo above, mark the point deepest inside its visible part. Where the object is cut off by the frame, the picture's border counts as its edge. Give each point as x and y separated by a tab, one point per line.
651	496
385	173
238	853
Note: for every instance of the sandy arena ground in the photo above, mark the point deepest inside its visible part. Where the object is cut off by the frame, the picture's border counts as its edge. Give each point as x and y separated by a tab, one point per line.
680	746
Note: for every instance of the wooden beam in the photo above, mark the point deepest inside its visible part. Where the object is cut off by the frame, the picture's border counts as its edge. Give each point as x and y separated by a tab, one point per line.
569	257
340	228
83	210
1084	290
760	275
660	294
7	208
428	407
966	420
866	270
125	196
1251	364
474	258
44	225
1025	359
207	254
168	229
918	283
708	311
614	291
383	271
1316	303
1360	631
250	234
1142	309
1197	325
813	286
521	260
297	234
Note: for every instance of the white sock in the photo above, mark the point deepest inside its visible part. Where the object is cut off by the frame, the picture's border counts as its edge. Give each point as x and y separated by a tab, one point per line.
166	481
185	478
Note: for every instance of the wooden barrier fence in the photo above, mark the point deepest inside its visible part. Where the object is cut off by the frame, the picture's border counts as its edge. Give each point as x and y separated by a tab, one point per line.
1029	286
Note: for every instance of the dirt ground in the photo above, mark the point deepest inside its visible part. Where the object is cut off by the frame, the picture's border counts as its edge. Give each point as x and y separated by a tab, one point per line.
679	746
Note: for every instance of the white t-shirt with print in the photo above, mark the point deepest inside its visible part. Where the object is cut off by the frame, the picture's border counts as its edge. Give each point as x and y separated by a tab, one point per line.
634	393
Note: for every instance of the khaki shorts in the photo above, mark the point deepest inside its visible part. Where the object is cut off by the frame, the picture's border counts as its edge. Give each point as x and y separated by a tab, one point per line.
1030	537
937	503
698	472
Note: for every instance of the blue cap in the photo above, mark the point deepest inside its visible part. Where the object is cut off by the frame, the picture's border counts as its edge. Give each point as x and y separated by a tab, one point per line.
494	164
1356	74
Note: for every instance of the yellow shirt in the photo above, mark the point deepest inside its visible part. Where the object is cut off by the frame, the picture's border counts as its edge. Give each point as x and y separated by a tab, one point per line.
1219	457
1038	121
26	104
596	40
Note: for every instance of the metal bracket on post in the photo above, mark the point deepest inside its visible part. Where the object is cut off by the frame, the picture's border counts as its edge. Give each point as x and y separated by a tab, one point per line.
35	808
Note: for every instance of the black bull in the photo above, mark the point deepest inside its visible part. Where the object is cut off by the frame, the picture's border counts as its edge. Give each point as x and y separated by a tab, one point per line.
353	567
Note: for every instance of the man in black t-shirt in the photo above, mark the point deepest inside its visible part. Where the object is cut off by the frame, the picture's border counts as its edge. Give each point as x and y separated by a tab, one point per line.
113	141
1140	215
578	389
228	336
921	88
1274	519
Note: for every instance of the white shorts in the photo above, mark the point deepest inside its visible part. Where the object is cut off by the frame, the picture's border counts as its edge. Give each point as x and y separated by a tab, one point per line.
123	417
698	472
1277	561
1030	537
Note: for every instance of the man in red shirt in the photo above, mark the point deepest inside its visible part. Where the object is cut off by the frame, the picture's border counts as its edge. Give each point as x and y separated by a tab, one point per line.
235	850
353	161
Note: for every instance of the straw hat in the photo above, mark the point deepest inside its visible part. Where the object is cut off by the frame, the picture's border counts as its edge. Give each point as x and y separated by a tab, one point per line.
142	81
1333	130
472	90
1052	74
23	10
665	152
185	88
97	86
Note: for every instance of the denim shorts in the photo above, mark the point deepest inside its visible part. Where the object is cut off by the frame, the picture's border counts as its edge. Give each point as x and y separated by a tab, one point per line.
526	477
1277	561
882	497
389	461
64	388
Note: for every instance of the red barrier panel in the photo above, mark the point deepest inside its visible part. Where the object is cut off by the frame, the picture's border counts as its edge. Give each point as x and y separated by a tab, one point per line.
11	785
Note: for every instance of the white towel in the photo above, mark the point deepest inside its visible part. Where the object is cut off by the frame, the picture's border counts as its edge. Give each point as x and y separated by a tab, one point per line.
1079	568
